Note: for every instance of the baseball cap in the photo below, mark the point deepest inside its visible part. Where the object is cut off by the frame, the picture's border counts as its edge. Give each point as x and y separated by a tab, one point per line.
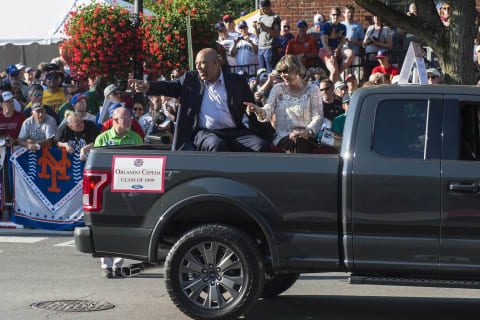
263	76
36	106
318	20
226	17
7	95
261	70
346	98
51	67
28	69
382	53
12	70
339	85
109	90
219	25
243	13
439	5
242	24
78	97
251	79
20	66
113	107
302	24
434	72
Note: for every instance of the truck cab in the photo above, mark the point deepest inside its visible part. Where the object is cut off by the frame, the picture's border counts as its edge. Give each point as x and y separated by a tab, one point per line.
400	201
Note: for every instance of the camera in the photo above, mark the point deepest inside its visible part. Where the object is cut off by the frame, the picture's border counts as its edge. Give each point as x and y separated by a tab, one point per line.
122	85
371	39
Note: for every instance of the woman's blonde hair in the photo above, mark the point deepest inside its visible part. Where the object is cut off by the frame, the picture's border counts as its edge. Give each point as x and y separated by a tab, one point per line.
292	63
71	115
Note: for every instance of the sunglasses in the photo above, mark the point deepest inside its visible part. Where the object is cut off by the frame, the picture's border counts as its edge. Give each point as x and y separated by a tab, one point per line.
52	77
325	89
432	77
334	14
38	94
137	109
228	20
288	27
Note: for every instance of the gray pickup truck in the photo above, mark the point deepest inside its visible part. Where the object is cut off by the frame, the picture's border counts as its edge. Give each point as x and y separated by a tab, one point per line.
400	205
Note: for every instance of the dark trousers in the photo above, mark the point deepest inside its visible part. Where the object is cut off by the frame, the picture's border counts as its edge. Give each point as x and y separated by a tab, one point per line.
229	140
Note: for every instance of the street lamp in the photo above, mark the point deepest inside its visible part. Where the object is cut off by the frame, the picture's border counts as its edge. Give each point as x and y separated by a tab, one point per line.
137	65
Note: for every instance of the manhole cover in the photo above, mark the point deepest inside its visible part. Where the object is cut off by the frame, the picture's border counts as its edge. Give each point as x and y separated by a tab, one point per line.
73	305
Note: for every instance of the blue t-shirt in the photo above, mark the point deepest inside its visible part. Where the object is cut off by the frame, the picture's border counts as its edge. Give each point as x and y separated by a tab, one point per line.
354	32
335	33
283	42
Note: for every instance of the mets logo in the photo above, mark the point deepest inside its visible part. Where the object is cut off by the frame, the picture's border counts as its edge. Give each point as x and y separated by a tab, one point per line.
57	168
138	162
51	174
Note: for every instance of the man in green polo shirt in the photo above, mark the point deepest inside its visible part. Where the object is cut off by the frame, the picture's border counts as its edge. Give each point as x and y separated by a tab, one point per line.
120	132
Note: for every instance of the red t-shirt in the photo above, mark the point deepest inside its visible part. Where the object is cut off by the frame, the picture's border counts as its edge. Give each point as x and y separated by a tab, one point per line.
392	71
135	127
309	44
11	126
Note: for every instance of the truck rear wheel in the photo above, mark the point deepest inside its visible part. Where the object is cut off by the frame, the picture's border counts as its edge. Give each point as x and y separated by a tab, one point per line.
277	283
214	272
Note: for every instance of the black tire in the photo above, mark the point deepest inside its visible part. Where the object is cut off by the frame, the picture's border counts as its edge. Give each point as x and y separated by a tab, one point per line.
214	272
277	283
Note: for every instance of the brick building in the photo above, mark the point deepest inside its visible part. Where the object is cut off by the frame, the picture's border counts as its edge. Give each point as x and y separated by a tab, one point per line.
296	10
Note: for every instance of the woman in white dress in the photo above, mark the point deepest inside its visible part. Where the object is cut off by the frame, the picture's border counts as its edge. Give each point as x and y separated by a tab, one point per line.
297	106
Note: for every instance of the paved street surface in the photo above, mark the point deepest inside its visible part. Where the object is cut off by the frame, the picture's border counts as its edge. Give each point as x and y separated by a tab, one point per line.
45	266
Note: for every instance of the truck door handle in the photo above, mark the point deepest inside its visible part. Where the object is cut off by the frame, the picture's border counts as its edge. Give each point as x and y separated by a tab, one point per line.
464	187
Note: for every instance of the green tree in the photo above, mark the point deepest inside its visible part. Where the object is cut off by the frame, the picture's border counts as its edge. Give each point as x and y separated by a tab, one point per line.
452	44
219	8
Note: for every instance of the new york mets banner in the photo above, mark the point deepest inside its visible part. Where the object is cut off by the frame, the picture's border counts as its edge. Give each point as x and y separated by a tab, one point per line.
47	188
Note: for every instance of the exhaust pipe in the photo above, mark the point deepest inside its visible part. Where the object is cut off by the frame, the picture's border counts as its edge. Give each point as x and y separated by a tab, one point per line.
133	269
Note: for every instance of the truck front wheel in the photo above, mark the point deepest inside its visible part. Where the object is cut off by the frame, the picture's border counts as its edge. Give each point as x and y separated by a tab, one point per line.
214	272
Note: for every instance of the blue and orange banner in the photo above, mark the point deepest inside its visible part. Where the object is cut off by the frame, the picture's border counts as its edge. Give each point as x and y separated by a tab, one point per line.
47	187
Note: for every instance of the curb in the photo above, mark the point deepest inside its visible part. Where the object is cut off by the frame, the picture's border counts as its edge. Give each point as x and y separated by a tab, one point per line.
34	232
9	225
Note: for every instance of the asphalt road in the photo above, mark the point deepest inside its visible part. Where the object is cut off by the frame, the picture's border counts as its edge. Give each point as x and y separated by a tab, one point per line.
46	267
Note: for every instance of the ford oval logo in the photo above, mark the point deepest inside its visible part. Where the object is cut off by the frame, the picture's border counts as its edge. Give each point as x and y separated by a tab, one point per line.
137	186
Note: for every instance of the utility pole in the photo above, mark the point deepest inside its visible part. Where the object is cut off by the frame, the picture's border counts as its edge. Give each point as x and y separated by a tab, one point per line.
138	65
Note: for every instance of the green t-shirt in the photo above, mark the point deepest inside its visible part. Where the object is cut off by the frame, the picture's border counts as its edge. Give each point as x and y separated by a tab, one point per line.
110	138
339	123
63	108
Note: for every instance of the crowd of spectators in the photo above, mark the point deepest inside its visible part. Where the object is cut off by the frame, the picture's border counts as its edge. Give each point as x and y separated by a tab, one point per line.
47	107
335	45
329	58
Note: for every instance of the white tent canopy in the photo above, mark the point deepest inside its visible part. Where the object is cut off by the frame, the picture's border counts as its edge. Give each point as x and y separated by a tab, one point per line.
34	21
30	30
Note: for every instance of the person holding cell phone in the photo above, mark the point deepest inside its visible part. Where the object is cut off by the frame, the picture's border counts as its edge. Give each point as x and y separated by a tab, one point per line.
245	49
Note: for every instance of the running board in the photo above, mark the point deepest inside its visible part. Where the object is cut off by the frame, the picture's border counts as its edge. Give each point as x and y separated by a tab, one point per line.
392	281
